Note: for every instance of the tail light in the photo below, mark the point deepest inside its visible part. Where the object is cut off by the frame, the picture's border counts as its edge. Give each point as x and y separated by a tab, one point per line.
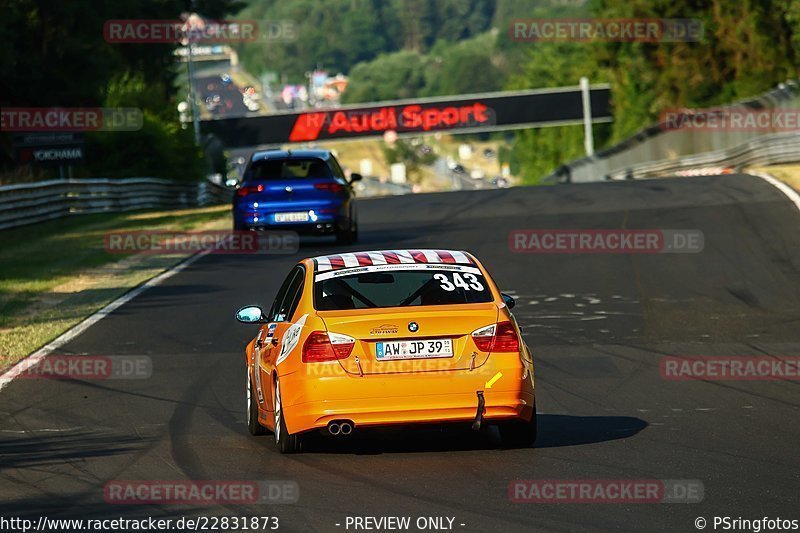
500	337
321	346
249	189
329	186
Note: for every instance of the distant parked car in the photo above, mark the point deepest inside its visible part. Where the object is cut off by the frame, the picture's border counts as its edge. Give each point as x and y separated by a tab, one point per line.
500	182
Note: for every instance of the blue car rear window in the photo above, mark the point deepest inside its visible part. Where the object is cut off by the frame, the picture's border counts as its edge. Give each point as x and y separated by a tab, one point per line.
283	169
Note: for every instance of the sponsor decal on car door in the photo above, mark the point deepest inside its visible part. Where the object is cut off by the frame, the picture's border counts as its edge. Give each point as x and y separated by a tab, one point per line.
290	339
266	343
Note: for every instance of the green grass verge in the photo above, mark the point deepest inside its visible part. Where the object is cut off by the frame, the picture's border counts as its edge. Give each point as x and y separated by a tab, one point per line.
789	174
55	274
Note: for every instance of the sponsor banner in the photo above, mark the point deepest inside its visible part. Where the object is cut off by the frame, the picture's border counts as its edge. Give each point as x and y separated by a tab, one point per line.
205	492
625	491
647	30
722	368
87	367
731	119
465	113
76	119
391	119
218	242
605	241
51	155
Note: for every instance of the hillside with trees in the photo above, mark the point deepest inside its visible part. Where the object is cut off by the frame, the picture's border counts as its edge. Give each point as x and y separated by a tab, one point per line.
55	54
400	49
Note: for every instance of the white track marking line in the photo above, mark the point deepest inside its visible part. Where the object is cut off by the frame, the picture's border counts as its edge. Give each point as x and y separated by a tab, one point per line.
36	357
785	189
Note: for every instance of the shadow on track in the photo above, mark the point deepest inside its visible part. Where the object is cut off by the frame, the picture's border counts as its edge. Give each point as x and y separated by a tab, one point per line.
38	451
554	431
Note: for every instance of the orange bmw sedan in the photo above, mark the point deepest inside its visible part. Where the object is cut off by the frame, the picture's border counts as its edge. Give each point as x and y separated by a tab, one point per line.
387	337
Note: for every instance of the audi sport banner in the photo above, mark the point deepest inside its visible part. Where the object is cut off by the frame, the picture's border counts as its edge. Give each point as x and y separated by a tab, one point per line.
457	114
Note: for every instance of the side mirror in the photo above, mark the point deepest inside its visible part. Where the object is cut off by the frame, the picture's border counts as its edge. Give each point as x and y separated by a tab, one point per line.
509	300
252	314
355	177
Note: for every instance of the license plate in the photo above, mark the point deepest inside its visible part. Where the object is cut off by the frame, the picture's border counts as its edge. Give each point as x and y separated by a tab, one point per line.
414	349
292	217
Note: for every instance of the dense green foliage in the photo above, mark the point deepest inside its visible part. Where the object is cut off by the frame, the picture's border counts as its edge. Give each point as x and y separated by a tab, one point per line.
338	34
467	66
748	47
398	49
55	54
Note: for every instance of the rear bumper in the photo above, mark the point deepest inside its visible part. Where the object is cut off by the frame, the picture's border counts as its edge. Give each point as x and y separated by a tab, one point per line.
319	395
323	216
310	228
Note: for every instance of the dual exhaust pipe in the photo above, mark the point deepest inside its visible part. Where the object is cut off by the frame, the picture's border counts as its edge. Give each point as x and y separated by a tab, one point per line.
343	428
340	428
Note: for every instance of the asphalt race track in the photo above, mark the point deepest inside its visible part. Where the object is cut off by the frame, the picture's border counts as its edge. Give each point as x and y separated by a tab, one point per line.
598	323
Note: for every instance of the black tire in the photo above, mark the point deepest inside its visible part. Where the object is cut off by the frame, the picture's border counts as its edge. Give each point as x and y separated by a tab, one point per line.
286	442
253	425
519	434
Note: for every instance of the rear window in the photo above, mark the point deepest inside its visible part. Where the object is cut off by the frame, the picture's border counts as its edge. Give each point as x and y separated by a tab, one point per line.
387	286
283	169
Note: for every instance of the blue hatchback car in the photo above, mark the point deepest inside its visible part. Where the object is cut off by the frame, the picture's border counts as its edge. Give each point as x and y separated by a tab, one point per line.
300	190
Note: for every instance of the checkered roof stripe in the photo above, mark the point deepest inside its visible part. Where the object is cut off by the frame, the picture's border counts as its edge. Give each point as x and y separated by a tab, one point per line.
325	263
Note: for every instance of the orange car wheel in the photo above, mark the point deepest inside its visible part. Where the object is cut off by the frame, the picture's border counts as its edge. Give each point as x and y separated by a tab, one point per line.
285	442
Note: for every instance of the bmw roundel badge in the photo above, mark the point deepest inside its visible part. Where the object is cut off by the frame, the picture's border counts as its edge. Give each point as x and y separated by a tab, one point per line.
413	326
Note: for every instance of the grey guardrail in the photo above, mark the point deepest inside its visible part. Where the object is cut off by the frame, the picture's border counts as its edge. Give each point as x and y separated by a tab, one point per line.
28	203
372	186
773	149
658	150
